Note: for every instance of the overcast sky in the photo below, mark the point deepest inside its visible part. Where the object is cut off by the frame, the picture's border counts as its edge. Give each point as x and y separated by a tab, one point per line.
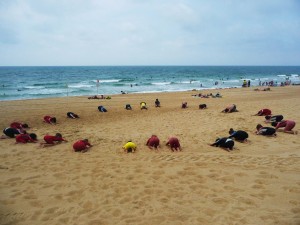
149	32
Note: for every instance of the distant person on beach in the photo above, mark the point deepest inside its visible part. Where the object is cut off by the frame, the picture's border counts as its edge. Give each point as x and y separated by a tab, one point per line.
265	131
72	115
271	119
287	124
82	145
153	142
225	143
249	82
129	147
11	132
174	144
143	105
94	97
157	103
238	135
128	107
184	105
230	109
102	109
50	120
25	138
202	106
263	112
52	140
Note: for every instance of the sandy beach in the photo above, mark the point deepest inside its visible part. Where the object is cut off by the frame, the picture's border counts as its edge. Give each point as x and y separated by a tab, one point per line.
256	183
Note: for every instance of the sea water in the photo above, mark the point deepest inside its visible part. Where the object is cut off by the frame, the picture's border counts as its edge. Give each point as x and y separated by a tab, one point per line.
44	82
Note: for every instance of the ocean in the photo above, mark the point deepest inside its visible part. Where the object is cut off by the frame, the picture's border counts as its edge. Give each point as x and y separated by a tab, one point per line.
50	81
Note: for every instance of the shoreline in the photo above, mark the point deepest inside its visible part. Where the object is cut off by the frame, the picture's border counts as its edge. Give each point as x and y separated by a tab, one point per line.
256	183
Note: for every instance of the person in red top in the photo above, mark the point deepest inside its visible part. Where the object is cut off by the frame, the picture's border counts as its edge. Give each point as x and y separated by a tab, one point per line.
81	145
153	142
24	138
52	140
18	125
49	119
263	112
173	142
287	124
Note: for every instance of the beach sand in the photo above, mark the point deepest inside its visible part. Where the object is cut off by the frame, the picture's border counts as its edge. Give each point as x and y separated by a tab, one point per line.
257	183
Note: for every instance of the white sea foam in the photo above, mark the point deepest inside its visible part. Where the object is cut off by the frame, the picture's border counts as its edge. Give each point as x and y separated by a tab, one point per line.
161	83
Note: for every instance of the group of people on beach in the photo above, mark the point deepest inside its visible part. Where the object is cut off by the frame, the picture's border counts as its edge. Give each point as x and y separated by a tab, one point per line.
18	131
276	121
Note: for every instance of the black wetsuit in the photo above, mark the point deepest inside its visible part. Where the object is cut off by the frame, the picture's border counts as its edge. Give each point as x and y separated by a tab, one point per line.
11	132
239	135
267	131
224	143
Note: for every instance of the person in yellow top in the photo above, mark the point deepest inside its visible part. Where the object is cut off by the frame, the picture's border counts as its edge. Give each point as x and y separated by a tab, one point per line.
129	147
143	105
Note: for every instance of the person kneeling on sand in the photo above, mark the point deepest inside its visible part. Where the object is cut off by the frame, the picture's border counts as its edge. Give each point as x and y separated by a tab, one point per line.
271	119
25	138
153	142
225	143
82	145
50	120
52	140
157	103
72	115
143	105
18	125
238	135
202	106
130	147
11	132
230	109
102	109
263	112
287	124
265	131
128	107
174	144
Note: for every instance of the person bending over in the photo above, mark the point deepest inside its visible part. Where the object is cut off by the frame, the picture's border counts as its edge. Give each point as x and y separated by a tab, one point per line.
11	132
271	119
174	144
238	135
157	103
263	112
130	147
52	140
25	138
50	120
265	131
202	106
153	142
72	115
18	125
184	105
82	145
128	107
225	143
230	109
143	105
102	109
287	124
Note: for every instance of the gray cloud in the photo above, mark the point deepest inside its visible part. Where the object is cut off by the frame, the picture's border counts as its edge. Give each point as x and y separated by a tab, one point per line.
132	32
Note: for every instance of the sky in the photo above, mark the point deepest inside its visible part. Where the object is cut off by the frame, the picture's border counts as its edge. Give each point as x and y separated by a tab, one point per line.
149	32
